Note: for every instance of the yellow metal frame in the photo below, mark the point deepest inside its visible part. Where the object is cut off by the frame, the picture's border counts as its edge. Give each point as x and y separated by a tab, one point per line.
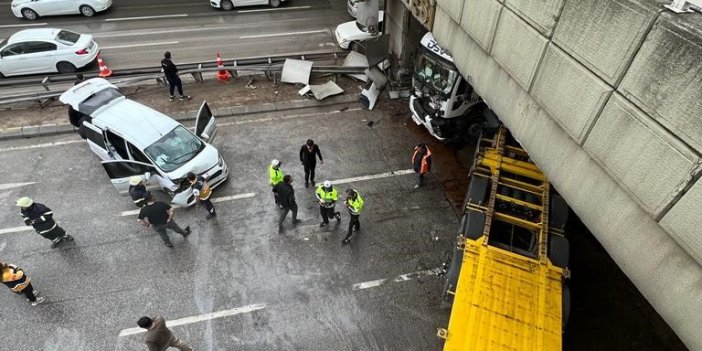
504	300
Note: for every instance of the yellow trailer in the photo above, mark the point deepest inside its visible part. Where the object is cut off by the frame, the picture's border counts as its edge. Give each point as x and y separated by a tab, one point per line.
506	280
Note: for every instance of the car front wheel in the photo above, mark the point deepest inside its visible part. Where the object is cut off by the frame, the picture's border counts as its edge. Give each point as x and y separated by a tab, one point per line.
29	14
65	67
274	3
87	11
226	5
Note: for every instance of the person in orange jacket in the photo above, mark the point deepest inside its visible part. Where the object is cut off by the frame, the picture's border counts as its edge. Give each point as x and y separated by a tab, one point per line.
15	279
421	161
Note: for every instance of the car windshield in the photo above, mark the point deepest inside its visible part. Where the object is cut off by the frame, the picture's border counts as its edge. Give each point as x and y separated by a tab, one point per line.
175	149
97	100
67	37
433	73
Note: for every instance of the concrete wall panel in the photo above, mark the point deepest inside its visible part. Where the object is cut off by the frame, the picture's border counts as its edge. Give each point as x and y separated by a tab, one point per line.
605	34
453	7
569	92
641	155
684	221
480	19
665	79
518	47
541	14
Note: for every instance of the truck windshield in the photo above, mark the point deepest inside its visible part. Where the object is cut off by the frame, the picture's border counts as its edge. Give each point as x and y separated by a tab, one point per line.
435	74
175	149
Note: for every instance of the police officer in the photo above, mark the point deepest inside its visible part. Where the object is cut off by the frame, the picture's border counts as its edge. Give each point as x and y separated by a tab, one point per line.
326	195
275	177
202	192
138	192
41	219
421	162
14	278
286	195
354	202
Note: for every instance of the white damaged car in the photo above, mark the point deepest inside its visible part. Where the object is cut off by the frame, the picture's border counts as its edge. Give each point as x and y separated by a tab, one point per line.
134	140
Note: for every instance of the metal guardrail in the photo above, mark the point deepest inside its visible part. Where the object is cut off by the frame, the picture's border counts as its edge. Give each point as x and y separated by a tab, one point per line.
270	65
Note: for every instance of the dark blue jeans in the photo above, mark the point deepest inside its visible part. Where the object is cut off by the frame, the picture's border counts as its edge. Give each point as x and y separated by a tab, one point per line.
174	82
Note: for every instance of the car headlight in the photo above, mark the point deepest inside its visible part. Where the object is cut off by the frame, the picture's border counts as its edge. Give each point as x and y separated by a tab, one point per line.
221	161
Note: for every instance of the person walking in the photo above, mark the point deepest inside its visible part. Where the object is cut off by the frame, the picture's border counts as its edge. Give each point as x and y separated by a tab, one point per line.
308	157
421	161
160	215
327	196
41	218
79	79
202	192
354	202
286	196
137	191
275	177
158	336
170	70
14	278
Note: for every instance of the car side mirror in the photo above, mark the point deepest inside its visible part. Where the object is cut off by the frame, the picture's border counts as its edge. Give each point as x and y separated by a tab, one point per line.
147	175
204	136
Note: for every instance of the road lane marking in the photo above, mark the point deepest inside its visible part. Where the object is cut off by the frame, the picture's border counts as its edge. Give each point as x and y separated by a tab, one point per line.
214	199
37	146
23	25
199	318
139	45
15	230
277	118
373	176
397	279
145	17
275	9
14	185
283	34
266	119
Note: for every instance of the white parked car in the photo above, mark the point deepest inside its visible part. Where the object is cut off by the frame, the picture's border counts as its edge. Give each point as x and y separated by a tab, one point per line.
33	9
352	31
228	5
134	140
44	50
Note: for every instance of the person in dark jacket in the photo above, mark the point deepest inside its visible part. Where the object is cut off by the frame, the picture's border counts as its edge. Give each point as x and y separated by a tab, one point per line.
421	162
286	197
171	72
308	157
41	219
138	192
14	278
202	192
158	336
159	215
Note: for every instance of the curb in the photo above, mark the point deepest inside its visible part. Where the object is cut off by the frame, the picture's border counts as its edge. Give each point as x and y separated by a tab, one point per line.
26	132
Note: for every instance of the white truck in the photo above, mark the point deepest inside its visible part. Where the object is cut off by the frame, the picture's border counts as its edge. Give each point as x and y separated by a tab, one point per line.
442	100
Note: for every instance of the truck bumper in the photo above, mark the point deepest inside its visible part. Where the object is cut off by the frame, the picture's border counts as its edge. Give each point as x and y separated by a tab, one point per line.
420	117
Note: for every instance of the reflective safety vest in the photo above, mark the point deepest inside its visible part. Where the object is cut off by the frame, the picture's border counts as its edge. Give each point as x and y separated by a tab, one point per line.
14	278
275	175
201	189
421	165
355	206
327	197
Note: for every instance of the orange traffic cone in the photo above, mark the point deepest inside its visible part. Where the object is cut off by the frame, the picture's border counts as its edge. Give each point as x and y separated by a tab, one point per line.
222	75
104	71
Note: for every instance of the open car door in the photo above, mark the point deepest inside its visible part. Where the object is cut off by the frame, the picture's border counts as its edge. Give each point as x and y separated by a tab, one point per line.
205	124
120	172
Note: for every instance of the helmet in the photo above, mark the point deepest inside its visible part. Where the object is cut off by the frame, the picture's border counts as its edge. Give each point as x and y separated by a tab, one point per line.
327	184
134	180
275	163
24	202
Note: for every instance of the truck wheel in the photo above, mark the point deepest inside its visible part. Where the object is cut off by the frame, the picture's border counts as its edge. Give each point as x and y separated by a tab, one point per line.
471	131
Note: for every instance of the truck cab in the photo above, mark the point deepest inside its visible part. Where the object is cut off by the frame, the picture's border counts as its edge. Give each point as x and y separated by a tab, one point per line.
442	100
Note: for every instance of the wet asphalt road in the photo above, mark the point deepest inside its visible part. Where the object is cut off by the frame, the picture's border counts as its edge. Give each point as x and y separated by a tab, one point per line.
303	285
135	33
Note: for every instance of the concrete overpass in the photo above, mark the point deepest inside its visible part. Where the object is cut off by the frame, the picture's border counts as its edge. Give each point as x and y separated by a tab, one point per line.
606	95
